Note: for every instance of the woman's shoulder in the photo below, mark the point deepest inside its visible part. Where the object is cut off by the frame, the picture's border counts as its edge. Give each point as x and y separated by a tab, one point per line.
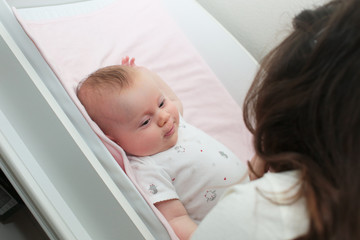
273	191
270	182
261	209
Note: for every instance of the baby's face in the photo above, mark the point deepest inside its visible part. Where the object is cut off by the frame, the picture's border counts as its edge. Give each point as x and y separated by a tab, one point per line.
140	118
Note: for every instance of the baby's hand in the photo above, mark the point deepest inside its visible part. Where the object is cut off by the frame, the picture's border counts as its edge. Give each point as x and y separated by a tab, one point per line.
128	61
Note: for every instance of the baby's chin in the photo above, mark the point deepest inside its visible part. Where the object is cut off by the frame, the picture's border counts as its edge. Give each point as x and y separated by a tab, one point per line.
163	146
171	144
174	139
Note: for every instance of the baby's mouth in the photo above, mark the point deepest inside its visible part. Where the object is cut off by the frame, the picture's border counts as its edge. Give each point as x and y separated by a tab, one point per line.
171	131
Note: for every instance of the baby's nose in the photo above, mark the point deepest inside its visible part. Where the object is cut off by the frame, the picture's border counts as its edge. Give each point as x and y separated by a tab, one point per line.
163	118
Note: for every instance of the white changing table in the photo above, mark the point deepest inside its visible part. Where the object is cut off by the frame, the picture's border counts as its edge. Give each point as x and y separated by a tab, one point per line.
42	132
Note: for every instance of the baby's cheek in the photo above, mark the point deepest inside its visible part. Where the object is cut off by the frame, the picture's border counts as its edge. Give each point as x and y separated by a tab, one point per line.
151	144
175	113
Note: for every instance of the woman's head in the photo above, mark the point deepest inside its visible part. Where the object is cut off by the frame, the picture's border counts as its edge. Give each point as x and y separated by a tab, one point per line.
305	95
303	107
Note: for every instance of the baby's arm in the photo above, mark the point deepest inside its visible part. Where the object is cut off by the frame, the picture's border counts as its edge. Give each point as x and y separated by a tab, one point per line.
177	216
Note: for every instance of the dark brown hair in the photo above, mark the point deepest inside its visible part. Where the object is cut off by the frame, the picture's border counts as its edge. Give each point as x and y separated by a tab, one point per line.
304	111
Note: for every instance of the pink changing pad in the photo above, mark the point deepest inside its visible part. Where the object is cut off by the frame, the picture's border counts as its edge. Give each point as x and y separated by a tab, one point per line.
76	46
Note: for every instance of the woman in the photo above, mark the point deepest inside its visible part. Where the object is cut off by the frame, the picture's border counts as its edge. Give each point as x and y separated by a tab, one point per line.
303	109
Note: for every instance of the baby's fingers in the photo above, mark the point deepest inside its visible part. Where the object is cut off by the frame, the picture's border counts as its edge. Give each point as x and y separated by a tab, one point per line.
132	62
128	61
125	61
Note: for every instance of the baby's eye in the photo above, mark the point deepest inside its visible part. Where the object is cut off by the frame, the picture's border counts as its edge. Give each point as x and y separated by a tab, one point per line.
146	122
162	103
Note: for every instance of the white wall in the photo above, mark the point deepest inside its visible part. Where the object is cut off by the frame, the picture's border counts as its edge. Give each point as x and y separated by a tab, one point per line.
258	24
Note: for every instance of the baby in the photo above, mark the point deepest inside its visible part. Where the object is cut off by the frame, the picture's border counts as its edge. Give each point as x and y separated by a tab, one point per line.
183	170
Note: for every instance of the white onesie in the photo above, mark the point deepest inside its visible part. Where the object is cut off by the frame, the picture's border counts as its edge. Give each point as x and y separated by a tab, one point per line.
196	171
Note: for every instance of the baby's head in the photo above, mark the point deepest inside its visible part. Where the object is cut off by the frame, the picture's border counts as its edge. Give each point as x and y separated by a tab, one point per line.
130	108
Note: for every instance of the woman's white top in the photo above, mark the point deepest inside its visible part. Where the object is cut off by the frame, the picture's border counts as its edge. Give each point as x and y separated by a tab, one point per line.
261	209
